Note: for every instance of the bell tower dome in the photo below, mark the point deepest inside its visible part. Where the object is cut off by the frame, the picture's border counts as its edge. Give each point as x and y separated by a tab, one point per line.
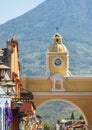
57	60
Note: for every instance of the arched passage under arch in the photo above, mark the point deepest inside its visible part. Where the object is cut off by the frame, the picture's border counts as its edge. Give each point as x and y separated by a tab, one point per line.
67	102
60	110
76	99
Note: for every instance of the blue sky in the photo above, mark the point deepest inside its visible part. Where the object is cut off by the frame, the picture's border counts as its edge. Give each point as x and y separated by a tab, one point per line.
10	9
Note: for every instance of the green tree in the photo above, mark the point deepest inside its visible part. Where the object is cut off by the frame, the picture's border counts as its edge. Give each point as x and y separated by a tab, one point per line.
72	115
80	117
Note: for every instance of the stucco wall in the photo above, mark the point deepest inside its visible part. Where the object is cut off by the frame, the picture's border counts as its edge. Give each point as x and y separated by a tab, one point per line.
45	84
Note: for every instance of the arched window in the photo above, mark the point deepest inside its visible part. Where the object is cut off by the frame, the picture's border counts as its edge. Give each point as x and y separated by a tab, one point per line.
58	84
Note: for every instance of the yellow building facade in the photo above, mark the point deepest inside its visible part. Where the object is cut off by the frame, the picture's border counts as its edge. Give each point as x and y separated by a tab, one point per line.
60	84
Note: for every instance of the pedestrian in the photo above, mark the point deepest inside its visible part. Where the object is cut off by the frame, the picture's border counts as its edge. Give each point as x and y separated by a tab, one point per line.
34	127
22	125
40	125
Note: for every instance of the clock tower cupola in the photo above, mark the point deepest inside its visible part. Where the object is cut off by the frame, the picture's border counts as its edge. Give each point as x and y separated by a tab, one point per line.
57	60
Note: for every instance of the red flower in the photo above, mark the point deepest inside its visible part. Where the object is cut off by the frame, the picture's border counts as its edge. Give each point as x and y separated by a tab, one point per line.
17	80
14	75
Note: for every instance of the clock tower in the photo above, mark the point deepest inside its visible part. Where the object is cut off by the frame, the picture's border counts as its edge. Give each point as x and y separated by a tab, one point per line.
57	60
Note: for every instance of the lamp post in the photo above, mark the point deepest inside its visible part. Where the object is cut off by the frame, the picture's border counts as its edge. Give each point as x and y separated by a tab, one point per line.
3	70
9	88
7	85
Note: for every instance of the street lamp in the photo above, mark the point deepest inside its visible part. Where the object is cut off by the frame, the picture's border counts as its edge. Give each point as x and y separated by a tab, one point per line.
6	84
3	70
9	88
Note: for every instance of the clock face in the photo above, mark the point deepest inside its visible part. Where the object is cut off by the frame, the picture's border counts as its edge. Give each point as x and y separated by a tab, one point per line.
57	61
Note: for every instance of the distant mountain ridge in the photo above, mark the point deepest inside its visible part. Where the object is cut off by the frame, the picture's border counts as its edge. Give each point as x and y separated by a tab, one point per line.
34	31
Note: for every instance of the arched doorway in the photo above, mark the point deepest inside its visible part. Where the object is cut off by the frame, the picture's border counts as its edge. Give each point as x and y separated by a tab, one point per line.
68	114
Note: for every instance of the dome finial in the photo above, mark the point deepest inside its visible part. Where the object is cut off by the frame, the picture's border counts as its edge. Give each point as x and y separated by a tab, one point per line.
57	29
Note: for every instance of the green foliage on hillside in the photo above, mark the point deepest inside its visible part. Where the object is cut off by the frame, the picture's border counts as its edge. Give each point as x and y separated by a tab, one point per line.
34	31
56	110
